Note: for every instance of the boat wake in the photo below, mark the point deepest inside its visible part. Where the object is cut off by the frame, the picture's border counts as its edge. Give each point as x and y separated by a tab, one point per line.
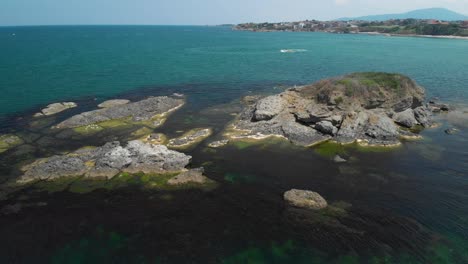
292	50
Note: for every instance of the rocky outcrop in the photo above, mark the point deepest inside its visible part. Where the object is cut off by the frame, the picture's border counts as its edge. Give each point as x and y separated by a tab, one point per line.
369	108
305	199
144	110
55	108
113	102
107	161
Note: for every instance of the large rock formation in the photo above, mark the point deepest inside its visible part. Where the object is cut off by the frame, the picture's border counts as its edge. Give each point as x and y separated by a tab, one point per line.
370	108
144	110
107	161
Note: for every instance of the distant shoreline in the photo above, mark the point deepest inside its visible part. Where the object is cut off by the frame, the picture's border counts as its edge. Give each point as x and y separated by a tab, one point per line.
412	35
364	33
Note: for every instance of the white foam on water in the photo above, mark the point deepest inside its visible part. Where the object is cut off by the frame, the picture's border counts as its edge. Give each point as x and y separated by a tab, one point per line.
292	50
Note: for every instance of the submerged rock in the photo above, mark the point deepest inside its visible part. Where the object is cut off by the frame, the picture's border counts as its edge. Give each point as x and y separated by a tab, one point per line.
451	131
107	161
305	199
339	159
9	141
352	108
219	143
140	111
113	102
55	108
191	176
190	138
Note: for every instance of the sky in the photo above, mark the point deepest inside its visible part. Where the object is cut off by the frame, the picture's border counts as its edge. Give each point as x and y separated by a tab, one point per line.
201	12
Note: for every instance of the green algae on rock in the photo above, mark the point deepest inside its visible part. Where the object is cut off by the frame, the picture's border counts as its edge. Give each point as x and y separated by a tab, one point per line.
9	141
143	181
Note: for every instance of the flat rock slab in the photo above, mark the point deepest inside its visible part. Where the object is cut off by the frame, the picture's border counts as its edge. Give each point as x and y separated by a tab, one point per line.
305	199
143	110
192	137
107	161
55	108
113	102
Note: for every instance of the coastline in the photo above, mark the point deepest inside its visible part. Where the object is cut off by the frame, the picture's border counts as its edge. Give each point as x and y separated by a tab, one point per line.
364	33
412	35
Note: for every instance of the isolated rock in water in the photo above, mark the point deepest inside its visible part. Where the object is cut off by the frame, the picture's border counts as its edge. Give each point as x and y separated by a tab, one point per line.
113	102
107	161
143	110
268	107
191	176
338	159
55	108
346	109
219	143
305	199
190	138
406	118
9	141
451	131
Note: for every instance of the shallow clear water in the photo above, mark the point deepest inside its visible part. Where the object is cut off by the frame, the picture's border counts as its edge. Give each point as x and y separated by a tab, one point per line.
408	205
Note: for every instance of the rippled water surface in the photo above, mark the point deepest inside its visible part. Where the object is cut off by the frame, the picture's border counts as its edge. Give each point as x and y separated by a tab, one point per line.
405	205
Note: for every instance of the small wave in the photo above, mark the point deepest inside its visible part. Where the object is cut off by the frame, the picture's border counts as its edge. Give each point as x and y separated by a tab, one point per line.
292	50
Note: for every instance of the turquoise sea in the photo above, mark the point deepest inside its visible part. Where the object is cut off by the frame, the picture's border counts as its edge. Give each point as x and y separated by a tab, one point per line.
405	205
40	65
